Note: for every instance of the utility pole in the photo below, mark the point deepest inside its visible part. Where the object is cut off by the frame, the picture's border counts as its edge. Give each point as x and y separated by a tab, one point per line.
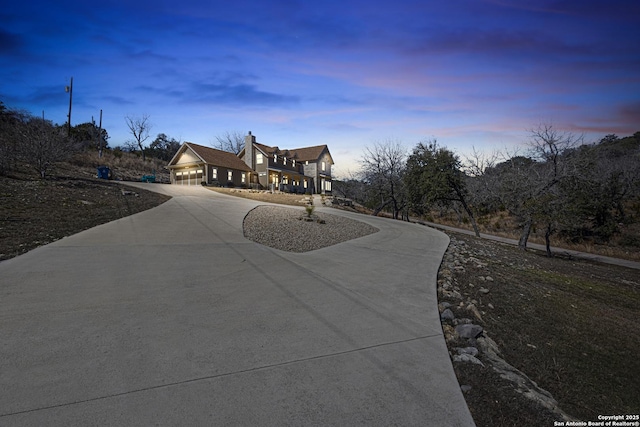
100	137
70	90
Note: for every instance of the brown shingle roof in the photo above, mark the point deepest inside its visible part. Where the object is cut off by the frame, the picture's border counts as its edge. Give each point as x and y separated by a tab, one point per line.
300	154
266	149
218	157
309	153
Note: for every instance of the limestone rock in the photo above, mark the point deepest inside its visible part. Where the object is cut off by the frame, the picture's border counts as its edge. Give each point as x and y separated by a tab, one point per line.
467	350
467	358
447	314
469	330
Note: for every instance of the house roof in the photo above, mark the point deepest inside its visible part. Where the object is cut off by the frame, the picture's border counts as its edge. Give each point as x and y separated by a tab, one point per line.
300	154
310	153
214	157
266	149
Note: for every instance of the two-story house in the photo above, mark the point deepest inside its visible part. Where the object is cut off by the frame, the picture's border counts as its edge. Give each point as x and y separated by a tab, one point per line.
300	170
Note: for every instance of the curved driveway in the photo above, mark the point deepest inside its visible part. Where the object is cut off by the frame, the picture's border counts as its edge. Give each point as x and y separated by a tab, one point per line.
172	317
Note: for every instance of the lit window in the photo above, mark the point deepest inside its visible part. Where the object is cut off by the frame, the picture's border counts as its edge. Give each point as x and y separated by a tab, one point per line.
214	173
275	157
259	158
305	183
229	175
178	173
323	166
293	162
327	186
284	160
244	177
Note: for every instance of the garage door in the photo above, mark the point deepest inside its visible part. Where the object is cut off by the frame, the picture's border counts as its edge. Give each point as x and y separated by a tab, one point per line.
189	177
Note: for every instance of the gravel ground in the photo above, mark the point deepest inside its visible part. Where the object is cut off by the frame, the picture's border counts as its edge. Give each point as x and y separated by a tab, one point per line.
285	229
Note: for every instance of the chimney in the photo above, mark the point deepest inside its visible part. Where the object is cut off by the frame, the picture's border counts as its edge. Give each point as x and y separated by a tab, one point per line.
248	150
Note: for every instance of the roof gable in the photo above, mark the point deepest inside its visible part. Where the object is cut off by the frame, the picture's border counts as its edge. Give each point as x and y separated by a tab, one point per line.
311	153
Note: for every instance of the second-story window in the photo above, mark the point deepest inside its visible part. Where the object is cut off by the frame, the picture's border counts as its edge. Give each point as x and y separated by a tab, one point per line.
293	162
284	161
324	166
230	176
259	159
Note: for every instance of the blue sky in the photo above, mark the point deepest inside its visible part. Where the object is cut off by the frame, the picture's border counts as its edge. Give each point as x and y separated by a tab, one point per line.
344	73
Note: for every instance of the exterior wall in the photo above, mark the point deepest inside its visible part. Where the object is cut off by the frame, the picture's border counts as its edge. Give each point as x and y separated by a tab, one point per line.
188	157
311	170
236	177
327	161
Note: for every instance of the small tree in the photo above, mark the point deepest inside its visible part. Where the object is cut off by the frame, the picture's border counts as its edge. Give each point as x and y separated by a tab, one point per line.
42	145
139	128
383	167
434	175
163	147
11	122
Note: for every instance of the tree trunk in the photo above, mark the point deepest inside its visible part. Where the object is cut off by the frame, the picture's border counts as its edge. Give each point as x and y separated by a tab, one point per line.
471	217
522	243
377	210
142	151
547	240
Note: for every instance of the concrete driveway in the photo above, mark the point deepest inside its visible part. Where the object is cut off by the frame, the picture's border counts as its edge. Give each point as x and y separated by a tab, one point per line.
172	317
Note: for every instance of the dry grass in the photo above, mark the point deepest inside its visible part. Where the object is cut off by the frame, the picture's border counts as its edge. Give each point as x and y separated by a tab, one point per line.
265	196
565	323
502	225
124	166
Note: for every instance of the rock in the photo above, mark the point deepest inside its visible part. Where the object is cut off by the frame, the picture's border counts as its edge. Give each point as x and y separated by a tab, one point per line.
467	350
455	295
488	279
450	334
474	310
447	314
465	388
469	330
490	306
445	304
489	346
467	358
484	291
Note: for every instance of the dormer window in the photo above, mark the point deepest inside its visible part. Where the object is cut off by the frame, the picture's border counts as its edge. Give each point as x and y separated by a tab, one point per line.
293	162
275	158
284	161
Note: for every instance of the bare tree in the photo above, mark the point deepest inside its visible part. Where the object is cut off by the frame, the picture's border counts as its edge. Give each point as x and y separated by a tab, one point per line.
232	142
527	185
139	128
43	145
383	167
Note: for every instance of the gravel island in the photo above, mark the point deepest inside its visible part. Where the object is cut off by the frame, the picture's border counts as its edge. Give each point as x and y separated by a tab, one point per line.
286	229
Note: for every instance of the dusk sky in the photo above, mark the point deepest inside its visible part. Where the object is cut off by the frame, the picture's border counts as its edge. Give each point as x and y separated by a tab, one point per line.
343	73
